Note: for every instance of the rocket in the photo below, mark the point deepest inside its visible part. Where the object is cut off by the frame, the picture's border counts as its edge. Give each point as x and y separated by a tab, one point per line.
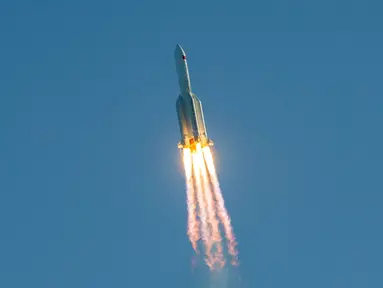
189	108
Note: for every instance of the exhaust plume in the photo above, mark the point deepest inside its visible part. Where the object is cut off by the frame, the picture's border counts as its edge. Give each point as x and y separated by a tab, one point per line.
206	209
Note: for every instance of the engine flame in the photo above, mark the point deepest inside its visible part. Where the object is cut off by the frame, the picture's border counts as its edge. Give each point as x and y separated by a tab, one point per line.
206	208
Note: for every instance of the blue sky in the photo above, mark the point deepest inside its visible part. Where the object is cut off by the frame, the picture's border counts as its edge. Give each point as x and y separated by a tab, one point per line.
92	191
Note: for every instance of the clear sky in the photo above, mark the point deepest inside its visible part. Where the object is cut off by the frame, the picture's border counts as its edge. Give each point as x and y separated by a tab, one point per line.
91	186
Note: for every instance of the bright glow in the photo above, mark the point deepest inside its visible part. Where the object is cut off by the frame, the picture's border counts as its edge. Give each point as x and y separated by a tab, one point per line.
187	163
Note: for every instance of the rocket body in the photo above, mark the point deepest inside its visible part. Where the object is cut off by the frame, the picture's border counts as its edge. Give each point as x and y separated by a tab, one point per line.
189	108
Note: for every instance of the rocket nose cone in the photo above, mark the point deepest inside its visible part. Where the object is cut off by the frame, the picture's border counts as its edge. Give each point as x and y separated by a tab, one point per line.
179	52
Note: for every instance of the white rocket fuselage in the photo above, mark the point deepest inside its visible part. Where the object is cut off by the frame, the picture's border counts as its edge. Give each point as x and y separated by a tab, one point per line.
189	108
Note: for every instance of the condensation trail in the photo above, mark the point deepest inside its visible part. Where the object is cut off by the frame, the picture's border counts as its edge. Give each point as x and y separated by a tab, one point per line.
197	157
222	212
191	202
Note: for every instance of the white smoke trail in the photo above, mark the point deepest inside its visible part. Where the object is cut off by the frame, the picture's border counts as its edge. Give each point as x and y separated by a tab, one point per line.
204	193
202	207
213	221
222	212
191	202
